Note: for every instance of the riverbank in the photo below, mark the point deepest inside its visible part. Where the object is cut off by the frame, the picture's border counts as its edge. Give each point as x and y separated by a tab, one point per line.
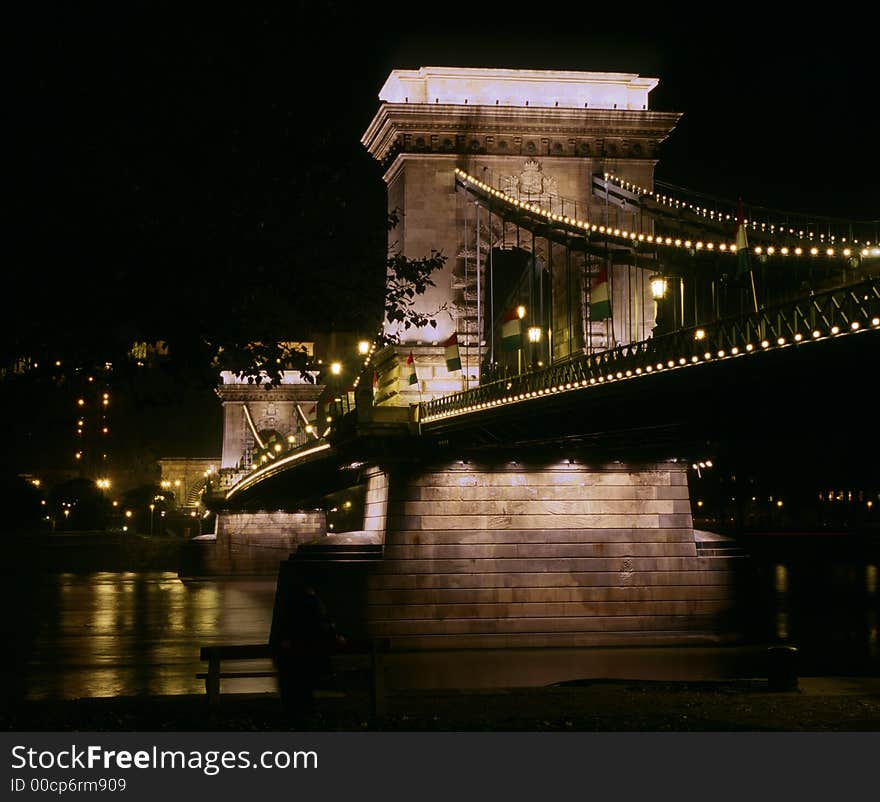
86	552
821	704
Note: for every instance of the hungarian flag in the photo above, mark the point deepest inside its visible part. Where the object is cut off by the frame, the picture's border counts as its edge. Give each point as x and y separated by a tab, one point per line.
742	245
453	358
600	301
375	383
511	331
411	370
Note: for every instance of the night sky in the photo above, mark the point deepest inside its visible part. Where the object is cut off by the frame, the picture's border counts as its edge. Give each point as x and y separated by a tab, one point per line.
165	158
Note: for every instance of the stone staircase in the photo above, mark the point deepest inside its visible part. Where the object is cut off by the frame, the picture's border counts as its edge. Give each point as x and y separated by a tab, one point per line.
347	547
711	545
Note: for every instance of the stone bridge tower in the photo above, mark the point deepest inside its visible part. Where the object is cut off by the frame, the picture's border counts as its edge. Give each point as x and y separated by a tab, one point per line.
533	133
252	413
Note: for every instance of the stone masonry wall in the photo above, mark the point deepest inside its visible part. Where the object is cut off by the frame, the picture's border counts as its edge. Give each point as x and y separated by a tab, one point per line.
558	555
254	542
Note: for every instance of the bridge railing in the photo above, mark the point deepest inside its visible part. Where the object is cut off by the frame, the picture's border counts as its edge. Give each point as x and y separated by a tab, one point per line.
844	310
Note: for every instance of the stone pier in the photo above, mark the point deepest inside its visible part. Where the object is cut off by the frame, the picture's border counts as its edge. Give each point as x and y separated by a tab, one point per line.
504	555
252	543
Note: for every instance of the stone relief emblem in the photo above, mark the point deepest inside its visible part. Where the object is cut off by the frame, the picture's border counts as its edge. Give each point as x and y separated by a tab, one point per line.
532	184
531	181
509	185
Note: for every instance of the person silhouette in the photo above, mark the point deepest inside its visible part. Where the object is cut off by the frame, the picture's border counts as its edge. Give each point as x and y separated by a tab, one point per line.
303	638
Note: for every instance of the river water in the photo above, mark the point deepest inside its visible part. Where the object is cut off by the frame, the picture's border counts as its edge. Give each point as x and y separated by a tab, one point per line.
132	633
129	633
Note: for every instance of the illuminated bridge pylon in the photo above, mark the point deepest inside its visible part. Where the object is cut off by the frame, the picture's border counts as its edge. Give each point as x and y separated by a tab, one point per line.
539	495
538	187
543	134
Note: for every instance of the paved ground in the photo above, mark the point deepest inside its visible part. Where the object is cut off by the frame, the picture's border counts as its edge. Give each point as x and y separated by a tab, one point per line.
821	704
702	688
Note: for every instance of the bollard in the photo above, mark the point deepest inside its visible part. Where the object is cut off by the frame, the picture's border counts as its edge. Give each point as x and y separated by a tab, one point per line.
782	668
377	680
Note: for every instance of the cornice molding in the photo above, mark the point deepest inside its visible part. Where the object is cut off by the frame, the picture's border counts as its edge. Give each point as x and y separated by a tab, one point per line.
487	86
396	164
453	128
297	392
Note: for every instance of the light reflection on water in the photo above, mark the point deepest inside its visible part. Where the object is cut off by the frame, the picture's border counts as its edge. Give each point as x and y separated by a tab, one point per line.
871	589
828	608
781	573
120	634
781	587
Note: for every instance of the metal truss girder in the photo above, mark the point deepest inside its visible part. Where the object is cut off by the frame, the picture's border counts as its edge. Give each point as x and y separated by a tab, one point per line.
843	310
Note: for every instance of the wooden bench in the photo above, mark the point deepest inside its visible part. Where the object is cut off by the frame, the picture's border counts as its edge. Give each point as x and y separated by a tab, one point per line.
216	655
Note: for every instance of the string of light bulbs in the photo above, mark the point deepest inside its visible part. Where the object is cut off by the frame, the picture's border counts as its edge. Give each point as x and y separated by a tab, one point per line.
666	241
716	216
642	370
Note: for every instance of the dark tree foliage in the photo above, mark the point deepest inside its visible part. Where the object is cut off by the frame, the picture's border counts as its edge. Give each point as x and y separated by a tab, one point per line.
406	279
85	505
194	183
20	505
193	186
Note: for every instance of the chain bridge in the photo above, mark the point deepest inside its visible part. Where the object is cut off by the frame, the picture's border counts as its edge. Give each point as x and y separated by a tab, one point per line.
516	475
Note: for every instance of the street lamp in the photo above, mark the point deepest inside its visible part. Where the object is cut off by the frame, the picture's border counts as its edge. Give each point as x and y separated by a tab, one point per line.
534	339
152	507
520	313
336	368
658	286
363	347
658	292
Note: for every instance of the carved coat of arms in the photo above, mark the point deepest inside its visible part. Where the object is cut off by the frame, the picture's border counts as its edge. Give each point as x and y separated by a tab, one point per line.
531	184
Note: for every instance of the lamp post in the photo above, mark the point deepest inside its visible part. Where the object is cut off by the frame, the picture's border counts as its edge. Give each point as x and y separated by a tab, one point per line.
534	339
520	313
152	507
332	386
658	292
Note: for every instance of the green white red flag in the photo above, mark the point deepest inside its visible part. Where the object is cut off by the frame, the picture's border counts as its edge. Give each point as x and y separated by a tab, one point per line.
600	300
453	357
511	331
411	370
